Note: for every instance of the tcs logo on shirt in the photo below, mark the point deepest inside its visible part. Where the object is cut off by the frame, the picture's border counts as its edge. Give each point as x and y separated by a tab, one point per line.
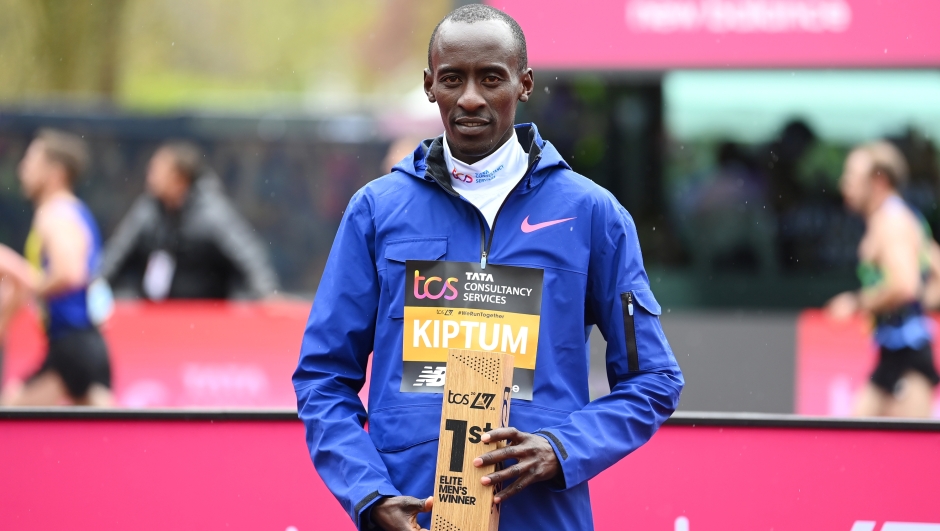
425	290
481	177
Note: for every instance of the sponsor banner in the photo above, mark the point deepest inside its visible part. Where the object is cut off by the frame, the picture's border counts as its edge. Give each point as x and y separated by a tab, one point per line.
250	475
834	360
185	354
459	305
668	34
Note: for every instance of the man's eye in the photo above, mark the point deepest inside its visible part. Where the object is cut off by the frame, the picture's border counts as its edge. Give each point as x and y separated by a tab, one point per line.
450	80
491	79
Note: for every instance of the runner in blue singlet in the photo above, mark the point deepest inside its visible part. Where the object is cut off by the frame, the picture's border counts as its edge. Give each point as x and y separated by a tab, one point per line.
63	253
895	269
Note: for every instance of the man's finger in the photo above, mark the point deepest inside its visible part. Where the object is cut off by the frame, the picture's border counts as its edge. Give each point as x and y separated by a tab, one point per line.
501	434
399	513
499	455
513	489
428	504
515	470
415	505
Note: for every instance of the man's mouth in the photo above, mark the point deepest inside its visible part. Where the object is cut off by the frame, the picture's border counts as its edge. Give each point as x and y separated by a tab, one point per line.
471	122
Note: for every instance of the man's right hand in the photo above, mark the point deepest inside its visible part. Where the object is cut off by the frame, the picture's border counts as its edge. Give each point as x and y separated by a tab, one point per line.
843	306
400	513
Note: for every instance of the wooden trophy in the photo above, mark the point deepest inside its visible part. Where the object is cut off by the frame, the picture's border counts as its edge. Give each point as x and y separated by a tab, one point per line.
477	391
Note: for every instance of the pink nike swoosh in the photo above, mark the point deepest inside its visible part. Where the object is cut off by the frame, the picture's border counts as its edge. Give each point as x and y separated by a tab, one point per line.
526	228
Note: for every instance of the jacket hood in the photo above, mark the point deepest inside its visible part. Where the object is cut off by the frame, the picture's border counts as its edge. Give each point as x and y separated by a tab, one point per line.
426	162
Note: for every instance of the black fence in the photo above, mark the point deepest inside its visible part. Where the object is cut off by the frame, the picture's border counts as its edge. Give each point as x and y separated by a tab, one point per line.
291	178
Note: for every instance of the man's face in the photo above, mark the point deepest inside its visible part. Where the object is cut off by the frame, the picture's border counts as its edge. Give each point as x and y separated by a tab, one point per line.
476	81
165	182
35	170
856	181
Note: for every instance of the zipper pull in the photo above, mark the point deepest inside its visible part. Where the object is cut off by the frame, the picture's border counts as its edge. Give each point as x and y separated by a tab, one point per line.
630	302
483	262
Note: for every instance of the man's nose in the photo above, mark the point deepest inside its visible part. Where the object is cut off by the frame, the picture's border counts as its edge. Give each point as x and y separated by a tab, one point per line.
471	100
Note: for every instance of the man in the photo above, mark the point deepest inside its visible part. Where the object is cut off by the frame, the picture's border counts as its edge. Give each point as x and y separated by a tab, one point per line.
896	254
488	196
63	252
184	239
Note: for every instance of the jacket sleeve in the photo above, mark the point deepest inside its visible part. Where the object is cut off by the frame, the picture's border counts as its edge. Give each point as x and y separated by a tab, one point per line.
645	380
237	239
126	236
332	368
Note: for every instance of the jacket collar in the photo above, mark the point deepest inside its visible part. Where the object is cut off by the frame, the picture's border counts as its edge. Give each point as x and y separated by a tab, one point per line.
427	160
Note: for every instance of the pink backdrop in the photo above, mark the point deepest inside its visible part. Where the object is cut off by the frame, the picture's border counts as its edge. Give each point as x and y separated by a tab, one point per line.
251	475
663	34
833	361
187	354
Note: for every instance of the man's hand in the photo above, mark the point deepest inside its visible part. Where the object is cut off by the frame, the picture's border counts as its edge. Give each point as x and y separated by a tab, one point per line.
12	297
843	306
400	513
535	456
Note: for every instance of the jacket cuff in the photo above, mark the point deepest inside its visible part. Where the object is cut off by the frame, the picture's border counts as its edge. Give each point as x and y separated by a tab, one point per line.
560	482
363	509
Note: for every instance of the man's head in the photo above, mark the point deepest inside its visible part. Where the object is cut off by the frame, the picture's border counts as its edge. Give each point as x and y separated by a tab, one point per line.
54	160
172	170
477	73
871	172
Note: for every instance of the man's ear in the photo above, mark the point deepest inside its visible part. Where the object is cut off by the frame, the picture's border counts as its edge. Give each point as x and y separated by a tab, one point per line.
428	83
528	84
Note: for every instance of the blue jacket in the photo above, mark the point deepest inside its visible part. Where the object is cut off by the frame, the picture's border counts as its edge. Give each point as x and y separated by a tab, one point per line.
593	276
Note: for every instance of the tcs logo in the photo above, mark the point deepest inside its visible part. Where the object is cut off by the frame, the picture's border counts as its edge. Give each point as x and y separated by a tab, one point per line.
424	289
461	176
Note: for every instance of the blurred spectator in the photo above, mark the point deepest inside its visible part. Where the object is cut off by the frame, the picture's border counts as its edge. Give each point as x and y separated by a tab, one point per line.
63	252
895	254
730	227
782	162
183	239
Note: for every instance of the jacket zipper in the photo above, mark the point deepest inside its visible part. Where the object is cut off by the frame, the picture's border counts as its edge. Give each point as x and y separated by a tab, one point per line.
483	241
485	244
629	332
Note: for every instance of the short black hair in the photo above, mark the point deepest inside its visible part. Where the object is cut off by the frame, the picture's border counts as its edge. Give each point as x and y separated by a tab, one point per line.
479	13
187	158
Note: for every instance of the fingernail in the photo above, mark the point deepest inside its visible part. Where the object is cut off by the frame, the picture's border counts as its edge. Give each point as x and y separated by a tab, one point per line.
496	500
486	437
477	462
485	480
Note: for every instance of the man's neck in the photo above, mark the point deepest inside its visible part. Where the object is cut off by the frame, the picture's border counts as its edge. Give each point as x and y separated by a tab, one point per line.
473	159
878	199
52	193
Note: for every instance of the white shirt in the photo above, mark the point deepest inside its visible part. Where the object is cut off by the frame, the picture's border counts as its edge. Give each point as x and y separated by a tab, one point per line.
487	183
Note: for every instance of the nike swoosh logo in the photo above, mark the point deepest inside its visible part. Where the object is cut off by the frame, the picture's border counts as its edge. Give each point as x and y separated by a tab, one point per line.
526	228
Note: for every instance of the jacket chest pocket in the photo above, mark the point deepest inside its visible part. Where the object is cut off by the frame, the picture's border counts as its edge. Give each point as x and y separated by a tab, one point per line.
397	252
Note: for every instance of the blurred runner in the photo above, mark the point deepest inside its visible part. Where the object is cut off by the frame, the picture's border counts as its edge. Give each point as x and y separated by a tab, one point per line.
896	268
62	255
183	239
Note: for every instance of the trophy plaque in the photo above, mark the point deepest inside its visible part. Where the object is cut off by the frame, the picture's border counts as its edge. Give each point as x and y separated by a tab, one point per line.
477	391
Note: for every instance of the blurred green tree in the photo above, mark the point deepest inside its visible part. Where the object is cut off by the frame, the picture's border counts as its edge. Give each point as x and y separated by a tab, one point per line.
60	48
228	54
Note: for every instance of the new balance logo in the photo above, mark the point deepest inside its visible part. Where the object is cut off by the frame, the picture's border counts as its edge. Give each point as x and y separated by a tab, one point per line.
867	525
431	377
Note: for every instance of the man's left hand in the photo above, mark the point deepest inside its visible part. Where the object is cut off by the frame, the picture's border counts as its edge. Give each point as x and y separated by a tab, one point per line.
535	456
